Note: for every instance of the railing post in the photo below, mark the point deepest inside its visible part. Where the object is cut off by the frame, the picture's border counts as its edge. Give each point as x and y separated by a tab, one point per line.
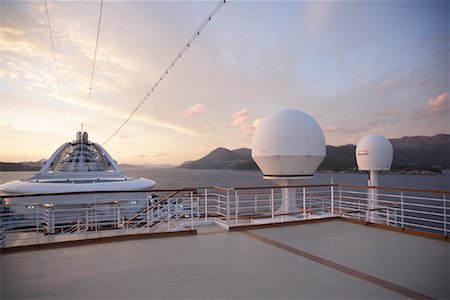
359	205
206	205
340	200
168	214
272	204
118	216
387	216
256	201
192	210
95	198
87	218
37	222
445	214
2	236
332	197
228	206
304	201
402	225
52	218
236	205
369	202
148	214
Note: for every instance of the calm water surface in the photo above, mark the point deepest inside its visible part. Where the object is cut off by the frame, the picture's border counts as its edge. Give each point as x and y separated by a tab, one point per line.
179	178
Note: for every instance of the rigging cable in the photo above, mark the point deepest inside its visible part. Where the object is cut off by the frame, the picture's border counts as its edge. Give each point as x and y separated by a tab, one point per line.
54	61
93	61
96	44
171	65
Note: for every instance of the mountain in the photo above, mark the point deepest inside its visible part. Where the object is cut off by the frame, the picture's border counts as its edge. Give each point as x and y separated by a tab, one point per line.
423	150
22	166
413	154
221	158
145	166
341	158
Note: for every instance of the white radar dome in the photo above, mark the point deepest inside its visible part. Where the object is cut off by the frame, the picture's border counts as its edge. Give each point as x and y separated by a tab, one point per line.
288	143
374	153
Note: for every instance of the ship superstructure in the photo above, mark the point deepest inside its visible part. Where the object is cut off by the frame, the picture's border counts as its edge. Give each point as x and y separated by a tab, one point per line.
77	166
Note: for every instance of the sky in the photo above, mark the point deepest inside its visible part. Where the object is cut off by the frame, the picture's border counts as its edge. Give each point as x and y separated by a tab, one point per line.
357	67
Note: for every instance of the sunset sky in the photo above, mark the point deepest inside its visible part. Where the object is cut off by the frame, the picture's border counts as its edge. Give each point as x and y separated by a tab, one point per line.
356	67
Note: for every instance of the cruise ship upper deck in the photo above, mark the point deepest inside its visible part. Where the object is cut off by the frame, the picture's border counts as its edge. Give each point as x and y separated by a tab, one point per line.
323	258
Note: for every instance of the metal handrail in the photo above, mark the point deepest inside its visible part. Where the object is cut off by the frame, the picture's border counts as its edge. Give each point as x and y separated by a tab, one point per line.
408	208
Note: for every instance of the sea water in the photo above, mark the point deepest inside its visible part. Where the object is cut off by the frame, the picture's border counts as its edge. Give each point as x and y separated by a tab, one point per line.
171	178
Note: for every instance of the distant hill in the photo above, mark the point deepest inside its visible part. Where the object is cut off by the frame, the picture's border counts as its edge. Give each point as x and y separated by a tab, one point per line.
145	166
23	166
36	166
221	158
423	151
411	154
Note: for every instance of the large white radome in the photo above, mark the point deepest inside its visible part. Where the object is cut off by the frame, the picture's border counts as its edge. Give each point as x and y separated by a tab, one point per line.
288	143
374	153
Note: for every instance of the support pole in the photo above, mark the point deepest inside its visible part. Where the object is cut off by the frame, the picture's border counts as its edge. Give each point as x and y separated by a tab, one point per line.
373	196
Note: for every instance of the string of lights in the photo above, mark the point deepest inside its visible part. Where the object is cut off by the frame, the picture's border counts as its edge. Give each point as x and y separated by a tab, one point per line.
169	68
96	44
54	60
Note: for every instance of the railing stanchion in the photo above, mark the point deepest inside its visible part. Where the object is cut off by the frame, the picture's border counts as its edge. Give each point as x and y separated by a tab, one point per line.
332	197
256	201
168	213
206	205
148	214
37	222
236	206
52	210
304	201
228	207
340	200
272	204
192	210
95	198
402	225
445	214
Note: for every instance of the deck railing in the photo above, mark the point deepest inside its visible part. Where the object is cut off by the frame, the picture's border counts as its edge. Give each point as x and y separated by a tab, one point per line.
172	210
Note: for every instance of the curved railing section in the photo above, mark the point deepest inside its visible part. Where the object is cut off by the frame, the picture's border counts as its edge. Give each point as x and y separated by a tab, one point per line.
418	210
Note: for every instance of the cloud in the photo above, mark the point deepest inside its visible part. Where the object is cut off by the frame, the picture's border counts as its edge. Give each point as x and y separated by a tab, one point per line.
257	122
242	120
330	129
239	119
438	103
194	110
385	85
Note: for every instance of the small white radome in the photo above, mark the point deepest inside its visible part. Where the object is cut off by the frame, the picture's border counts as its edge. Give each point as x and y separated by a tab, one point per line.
374	153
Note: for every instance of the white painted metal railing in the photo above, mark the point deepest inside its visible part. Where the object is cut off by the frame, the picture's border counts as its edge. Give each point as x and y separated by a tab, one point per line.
172	210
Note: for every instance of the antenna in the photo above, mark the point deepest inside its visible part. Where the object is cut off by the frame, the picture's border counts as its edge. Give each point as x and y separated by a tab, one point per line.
373	153
288	146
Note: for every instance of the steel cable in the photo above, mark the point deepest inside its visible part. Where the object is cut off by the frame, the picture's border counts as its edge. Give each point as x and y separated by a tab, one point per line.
171	65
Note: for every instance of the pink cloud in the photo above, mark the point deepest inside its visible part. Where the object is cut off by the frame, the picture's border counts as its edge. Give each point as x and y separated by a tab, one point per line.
239	119
385	84
439	102
195	110
257	122
242	120
329	129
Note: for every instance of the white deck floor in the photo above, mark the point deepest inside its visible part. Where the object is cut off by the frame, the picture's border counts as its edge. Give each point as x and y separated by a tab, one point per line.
220	264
